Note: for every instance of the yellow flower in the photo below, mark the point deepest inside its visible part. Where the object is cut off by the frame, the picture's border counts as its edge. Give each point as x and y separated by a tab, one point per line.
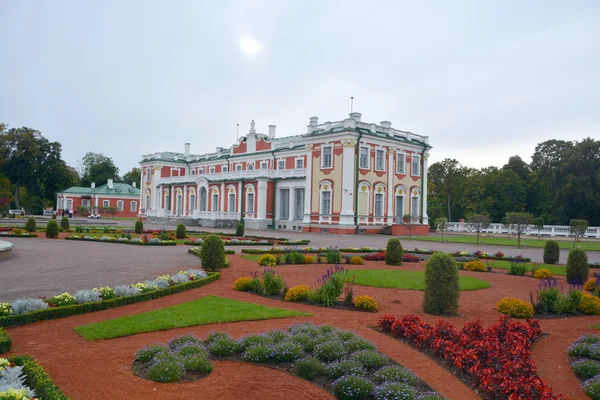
365	303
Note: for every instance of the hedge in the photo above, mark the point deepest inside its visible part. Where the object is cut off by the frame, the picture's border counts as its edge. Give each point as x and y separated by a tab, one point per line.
228	243
5	341
197	252
280	251
37	379
60	312
293	242
23	235
169	243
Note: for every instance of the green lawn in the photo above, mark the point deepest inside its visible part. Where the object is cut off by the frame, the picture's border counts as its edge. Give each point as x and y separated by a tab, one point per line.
502	241
204	311
252	257
412	280
555	269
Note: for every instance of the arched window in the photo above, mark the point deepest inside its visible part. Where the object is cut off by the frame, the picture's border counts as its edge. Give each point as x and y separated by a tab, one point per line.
147	201
326	198
249	167
400	204
203	199
379	201
231	196
215	200
250	199
192	200
415	204
167	200
364	196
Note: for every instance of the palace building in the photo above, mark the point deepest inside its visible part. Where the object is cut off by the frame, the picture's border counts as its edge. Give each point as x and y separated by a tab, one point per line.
342	177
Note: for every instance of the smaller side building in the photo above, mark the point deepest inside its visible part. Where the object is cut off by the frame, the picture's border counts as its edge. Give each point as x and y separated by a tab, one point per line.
119	198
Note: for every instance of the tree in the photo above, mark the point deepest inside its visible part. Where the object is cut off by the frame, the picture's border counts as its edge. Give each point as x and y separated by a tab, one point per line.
538	223
578	269
409	222
518	222
97	168
133	176
393	252
447	176
109	211
477	223
441	224
578	228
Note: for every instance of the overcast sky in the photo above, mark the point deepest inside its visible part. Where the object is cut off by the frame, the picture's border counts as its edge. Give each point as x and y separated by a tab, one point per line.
483	79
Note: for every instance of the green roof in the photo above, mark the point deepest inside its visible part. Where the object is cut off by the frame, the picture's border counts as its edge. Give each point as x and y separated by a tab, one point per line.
117	189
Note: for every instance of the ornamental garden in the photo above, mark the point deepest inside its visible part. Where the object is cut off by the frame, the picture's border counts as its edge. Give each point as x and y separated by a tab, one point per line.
263	317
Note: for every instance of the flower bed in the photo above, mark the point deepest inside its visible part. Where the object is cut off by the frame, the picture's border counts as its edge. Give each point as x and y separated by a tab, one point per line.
196	251
26	379
23	234
293	242
287	249
122	240
340	362
499	256
24	311
230	241
5	341
496	362
585	356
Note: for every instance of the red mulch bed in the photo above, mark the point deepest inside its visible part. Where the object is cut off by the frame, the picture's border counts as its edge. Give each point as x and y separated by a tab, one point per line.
102	369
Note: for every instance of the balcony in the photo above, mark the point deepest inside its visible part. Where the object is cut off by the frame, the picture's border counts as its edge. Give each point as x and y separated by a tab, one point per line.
237	175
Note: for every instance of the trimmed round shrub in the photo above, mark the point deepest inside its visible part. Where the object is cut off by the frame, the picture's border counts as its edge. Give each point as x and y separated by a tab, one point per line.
356	260
243	284
370	359
543	273
517	268
52	229
180	231
139	227
147	353
308	259
53	216
297	293
358	343
212	253
287	351
366	303
578	268
441	285
272	283
586	369
589	304
309	368
393	252
239	230
224	346
307	341
394	374
260	353
30	226
474	265
331	350
64	223
396	391
352	388
344	367
267	260
551	252
166	367
516	308
592	387
197	363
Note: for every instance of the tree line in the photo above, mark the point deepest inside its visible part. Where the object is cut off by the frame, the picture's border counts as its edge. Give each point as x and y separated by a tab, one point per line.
32	170
562	183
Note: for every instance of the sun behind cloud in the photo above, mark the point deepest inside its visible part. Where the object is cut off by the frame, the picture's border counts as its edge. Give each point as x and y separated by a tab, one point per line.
249	46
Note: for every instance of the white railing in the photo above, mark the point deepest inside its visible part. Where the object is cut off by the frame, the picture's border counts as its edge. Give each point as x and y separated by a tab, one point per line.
548	230
234	175
216	215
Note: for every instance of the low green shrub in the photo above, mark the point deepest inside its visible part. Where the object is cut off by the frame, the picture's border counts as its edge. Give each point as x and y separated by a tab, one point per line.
147	353
213	253
395	390
331	350
393	252
370	359
272	283
517	268
551	252
37	379
578	268
166	367
353	388
344	367
52	229
309	368
5	341
333	257
30	226
224	346
197	363
294	258
139	227
586	369
394	374
441	285
239	230
180	231
64	223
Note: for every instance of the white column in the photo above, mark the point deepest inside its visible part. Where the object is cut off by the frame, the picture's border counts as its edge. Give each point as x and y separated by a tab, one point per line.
184	200
424	194
308	185
348	181
239	199
291	205
390	190
222	197
173	194
261	201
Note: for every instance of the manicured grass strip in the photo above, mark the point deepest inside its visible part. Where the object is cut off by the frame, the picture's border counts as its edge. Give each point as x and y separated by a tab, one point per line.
501	241
412	280
204	311
555	269
252	257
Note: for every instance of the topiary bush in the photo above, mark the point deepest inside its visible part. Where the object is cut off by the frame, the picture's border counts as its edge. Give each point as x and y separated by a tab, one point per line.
53	216
180	232
139	227
516	308
30	226
212	253
239	230
243	284
64	223
474	265
52	229
366	303
551	252
393	252
578	268
441	285
267	260
543	273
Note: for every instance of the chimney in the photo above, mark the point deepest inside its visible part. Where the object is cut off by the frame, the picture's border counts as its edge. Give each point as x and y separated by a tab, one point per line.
314	121
272	131
355	116
93	185
110	184
187	149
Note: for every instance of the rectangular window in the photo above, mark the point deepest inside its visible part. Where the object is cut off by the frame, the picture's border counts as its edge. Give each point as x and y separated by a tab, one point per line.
212	170
380	160
325	203
193	172
326	161
133	206
85	203
148	172
120	205
231	202
416	165
192	205
264	165
250	203
284	204
238	167
414	209
300	163
400	161
281	164
69	204
298	203
105	203
168	202
215	202
147	202
225	168
379	204
364	157
201	170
